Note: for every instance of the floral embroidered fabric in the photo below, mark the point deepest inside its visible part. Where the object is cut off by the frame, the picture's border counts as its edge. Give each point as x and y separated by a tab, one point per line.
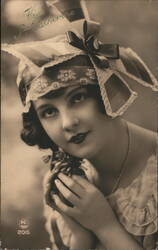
64	77
137	203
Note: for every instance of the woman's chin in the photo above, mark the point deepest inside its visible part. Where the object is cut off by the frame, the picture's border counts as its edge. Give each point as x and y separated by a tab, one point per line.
83	153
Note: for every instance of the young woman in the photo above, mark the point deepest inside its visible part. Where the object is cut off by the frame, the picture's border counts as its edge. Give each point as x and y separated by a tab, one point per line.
101	190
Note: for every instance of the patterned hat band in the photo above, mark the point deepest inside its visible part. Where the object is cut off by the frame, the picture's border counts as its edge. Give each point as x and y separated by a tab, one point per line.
52	80
114	91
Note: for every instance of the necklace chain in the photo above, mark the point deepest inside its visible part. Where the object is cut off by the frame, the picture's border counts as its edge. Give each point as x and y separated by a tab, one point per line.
124	161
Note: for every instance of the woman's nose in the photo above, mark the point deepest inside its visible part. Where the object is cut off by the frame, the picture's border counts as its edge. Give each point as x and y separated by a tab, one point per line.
69	122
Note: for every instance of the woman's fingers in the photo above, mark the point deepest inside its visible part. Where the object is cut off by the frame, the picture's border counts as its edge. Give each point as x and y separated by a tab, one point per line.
72	184
47	189
82	181
61	206
72	188
68	194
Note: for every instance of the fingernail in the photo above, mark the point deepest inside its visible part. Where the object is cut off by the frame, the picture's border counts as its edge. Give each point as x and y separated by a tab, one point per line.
54	196
56	181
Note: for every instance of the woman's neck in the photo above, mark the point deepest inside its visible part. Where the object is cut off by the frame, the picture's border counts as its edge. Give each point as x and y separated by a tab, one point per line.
110	159
130	147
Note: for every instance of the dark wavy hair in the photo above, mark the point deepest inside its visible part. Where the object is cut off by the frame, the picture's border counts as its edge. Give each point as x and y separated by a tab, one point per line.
34	134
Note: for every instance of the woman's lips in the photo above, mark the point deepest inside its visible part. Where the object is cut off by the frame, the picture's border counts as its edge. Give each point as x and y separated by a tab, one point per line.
79	138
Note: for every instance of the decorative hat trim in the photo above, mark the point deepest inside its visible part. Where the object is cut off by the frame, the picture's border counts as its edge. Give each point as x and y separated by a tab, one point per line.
154	83
76	75
63	58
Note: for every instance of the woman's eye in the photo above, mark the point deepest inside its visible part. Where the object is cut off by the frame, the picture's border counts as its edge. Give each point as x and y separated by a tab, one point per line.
80	97
49	112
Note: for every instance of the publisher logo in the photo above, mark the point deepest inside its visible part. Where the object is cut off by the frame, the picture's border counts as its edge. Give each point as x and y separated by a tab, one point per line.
23	227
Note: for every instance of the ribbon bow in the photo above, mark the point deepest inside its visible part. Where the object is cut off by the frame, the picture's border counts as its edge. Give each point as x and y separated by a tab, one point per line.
99	52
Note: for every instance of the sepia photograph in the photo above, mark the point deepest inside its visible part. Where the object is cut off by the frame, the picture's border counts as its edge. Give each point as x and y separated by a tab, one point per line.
79	124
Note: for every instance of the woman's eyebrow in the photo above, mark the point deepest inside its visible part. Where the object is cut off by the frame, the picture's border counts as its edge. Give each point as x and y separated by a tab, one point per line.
71	92
42	106
68	94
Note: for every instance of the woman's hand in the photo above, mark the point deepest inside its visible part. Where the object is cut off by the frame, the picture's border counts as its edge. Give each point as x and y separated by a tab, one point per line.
90	208
81	238
92	211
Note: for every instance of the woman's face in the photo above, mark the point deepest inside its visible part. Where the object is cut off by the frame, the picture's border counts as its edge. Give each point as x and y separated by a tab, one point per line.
73	121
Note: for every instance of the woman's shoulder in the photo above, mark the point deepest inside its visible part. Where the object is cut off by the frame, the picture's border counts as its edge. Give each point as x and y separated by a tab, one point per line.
136	204
143	184
144	143
143	140
142	149
143	161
